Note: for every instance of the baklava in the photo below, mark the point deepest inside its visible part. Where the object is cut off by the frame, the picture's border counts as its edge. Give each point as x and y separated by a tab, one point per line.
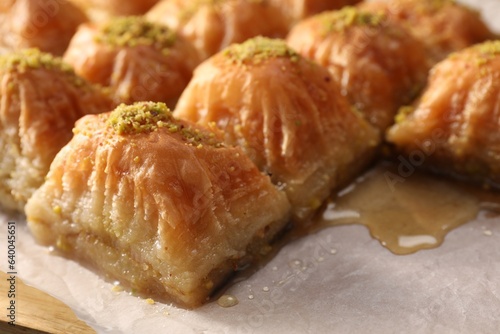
40	100
138	60
377	64
46	25
215	24
288	115
443	26
455	125
159	204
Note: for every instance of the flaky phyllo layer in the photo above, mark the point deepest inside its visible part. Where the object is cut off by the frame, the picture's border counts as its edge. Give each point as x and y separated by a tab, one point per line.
287	114
40	100
159	204
453	126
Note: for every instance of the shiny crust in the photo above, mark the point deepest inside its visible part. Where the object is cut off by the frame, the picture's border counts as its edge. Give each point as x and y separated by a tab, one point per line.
454	127
134	73
444	26
47	25
378	66
166	219
288	116
38	108
214	25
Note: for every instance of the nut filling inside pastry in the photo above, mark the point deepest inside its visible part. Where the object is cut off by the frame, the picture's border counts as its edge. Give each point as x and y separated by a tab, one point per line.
159	204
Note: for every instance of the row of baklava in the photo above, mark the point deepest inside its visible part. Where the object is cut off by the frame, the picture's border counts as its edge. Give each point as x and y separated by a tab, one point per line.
171	203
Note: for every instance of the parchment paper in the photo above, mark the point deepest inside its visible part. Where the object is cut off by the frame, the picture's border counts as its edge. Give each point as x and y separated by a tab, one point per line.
339	280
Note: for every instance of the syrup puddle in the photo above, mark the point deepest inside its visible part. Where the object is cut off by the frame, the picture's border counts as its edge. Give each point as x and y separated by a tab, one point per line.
407	214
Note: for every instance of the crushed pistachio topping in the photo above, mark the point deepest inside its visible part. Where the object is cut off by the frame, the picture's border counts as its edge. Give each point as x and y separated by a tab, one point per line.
403	112
260	49
35	59
133	30
140	117
145	117
478	55
339	20
491	48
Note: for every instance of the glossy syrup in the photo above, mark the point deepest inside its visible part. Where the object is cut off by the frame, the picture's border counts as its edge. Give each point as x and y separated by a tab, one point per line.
407	214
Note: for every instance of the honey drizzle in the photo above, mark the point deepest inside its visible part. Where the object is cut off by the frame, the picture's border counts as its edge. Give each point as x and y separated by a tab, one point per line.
406	214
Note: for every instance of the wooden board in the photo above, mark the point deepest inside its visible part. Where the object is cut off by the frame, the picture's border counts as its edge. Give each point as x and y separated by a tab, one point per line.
37	312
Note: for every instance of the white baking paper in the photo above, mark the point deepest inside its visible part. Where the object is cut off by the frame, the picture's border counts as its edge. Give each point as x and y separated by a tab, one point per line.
339	280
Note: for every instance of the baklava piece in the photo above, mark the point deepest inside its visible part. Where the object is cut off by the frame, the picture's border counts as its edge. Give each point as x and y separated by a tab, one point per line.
377	64
297	10
159	204
46	25
215	24
138	60
99	10
40	100
443	26
288	115
455	125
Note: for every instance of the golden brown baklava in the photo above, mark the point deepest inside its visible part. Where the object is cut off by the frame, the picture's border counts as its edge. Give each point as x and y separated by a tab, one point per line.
288	115
40	100
138	60
159	204
212	25
454	126
443	26
377	64
46	25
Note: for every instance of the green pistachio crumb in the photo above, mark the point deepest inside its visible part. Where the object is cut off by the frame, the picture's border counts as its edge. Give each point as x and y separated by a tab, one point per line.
403	113
259	49
339	20
479	55
26	59
490	48
145	117
132	31
140	117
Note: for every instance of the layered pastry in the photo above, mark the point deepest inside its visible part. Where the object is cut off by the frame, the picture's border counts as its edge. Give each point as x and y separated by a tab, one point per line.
454	126
138	60
212	25
287	114
377	64
46	25
99	10
159	204
41	98
443	26
297	10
